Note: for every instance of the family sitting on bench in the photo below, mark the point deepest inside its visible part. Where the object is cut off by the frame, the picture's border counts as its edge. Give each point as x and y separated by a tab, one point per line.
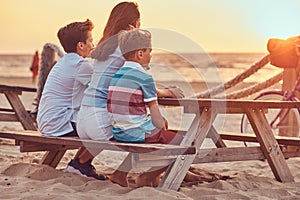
106	101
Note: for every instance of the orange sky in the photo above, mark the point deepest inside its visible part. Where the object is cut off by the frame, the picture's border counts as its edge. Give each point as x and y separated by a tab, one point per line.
215	25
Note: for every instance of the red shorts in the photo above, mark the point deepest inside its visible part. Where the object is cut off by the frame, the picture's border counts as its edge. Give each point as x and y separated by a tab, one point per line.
163	137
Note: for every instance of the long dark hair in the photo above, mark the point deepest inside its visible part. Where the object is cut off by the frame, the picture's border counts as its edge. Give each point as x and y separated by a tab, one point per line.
122	16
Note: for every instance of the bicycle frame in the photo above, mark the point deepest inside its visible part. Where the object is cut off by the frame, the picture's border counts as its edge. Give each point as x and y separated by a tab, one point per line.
288	96
278	117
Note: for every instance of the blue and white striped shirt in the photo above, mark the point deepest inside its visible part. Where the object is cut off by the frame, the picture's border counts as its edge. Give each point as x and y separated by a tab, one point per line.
96	93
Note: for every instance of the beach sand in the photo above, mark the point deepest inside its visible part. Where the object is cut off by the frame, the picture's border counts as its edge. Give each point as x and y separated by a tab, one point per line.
22	178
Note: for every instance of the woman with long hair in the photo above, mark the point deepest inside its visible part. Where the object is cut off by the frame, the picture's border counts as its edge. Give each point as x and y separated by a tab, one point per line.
93	120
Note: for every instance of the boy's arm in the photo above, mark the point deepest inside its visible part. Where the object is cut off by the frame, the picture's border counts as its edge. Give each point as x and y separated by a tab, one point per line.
171	92
84	73
156	117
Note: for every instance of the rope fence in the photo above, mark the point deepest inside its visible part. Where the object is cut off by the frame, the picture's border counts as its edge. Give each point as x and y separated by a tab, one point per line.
239	78
253	89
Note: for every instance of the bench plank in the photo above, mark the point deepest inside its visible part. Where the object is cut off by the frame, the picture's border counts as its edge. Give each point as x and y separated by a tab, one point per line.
9	110
228	103
156	149
237	153
18	89
289	141
26	146
8	117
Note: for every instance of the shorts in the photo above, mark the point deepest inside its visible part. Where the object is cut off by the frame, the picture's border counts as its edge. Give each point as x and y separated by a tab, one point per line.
163	137
94	123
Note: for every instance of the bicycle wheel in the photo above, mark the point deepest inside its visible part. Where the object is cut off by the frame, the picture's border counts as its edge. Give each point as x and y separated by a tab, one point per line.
284	129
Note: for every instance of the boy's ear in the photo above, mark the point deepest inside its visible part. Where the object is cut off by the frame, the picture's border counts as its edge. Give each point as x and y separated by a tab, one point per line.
140	54
80	45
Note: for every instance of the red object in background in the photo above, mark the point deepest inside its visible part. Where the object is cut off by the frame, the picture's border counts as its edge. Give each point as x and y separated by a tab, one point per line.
35	66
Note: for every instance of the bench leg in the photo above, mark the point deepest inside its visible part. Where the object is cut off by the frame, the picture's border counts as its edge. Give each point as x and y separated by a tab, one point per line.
214	135
20	110
52	158
269	145
195	135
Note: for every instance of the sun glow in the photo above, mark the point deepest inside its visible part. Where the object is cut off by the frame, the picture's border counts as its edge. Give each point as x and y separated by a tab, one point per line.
215	25
279	19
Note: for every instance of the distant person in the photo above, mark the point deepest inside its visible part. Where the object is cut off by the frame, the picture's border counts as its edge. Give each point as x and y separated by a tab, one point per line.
35	66
56	114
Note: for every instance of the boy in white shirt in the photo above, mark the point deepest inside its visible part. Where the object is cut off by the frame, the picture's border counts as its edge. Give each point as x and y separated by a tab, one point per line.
64	89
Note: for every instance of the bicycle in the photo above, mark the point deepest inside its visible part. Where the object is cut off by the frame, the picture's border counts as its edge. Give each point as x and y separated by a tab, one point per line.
282	121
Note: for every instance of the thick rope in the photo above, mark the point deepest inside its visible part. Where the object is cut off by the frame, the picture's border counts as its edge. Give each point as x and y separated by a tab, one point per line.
253	89
239	78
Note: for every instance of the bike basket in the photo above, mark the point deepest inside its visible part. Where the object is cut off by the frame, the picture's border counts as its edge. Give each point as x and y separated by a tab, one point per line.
284	53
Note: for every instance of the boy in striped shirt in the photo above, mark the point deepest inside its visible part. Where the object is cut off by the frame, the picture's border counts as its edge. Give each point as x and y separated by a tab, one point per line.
132	90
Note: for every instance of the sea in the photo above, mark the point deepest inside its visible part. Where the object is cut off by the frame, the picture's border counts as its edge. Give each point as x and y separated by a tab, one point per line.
226	66
15	65
192	72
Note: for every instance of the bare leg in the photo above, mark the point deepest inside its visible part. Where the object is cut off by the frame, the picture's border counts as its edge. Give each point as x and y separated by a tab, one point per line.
79	152
150	178
120	175
192	177
84	155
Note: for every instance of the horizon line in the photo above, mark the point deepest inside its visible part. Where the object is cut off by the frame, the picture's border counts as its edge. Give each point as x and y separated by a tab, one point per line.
159	52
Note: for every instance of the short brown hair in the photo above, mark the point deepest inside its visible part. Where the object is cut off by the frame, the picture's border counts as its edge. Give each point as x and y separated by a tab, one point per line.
73	33
133	40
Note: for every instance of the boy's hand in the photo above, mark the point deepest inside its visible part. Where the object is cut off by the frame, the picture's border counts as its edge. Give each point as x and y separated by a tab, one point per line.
170	92
175	92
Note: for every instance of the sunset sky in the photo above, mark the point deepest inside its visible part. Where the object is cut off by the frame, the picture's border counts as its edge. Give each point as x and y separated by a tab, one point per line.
215	25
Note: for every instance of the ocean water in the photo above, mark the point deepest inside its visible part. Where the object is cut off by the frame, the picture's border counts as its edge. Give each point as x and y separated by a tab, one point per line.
189	67
212	67
190	72
15	65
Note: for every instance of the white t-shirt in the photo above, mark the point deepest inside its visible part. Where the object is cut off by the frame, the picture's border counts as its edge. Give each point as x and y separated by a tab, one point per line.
62	95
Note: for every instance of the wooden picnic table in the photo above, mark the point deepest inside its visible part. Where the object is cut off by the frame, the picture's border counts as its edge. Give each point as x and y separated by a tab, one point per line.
205	111
17	111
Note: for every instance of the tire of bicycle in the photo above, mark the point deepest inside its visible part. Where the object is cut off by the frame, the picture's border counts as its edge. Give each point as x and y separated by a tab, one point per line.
270	95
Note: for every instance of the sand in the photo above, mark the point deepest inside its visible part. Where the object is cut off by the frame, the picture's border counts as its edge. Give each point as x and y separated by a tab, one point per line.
22	178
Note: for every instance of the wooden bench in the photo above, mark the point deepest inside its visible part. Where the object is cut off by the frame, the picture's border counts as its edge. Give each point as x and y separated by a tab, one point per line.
206	111
243	137
55	147
32	141
289	146
17	111
183	155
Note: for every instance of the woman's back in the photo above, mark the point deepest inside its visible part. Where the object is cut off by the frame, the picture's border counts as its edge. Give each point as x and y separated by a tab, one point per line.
96	93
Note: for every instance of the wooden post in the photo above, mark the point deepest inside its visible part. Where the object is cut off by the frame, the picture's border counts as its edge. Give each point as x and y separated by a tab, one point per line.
289	80
269	145
20	110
